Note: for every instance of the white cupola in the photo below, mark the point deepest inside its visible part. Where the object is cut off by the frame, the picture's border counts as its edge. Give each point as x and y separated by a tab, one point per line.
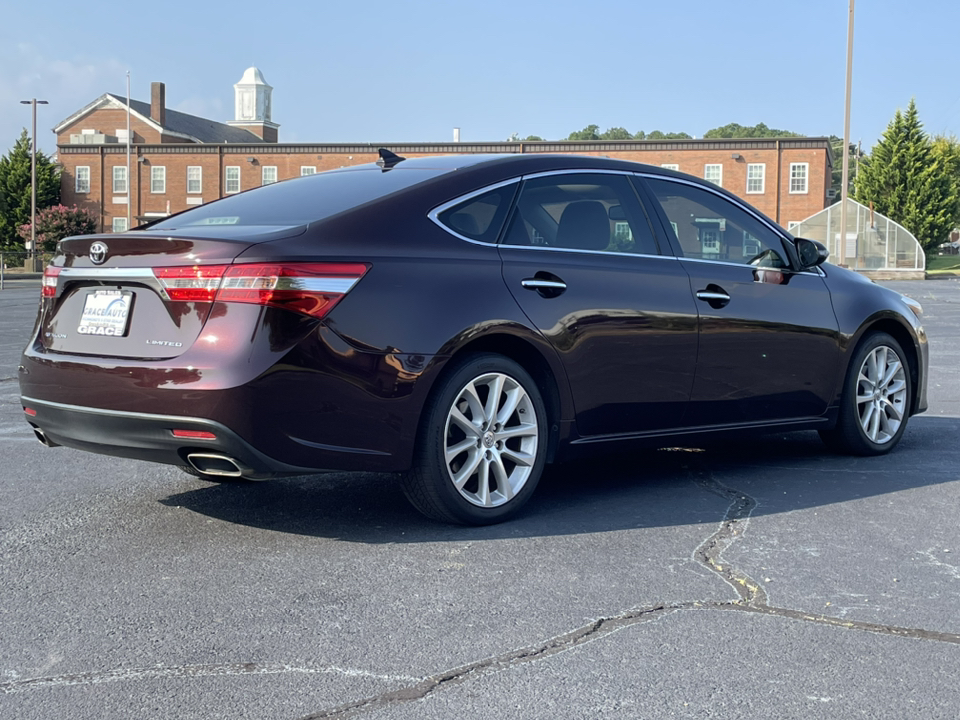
252	98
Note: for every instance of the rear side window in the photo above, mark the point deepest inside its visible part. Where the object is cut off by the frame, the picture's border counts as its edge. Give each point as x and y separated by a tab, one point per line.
481	217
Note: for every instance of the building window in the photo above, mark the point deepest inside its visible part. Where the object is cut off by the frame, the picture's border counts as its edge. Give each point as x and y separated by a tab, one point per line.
798	177
232	175
755	177
119	224
714	174
308	170
194	179
671	166
792	225
119	179
83	179
158	179
269	175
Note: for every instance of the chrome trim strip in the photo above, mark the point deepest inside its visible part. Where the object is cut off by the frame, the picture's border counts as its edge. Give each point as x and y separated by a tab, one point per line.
547	248
744	265
125	413
435	213
712	296
144	276
533	284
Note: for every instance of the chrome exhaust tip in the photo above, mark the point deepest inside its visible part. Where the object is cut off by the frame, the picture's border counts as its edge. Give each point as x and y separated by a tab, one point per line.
215	464
42	437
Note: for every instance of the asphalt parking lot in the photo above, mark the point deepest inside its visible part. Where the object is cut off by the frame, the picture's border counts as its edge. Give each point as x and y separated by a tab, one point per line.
760	579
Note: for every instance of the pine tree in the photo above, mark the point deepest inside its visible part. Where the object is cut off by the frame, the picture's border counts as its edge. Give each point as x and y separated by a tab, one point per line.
15	190
912	180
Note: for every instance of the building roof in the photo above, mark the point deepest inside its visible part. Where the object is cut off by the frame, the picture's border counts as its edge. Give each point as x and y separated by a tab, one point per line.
178	124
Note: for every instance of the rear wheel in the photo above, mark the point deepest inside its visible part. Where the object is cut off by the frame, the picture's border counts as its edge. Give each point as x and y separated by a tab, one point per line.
876	399
482	444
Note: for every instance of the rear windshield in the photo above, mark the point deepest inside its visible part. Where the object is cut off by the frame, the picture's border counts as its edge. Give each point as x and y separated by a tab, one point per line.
300	200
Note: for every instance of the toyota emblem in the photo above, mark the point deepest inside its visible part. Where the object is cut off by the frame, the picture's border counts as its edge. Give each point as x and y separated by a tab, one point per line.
98	253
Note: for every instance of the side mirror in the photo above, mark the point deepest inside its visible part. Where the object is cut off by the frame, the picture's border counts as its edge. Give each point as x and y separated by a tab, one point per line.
811	252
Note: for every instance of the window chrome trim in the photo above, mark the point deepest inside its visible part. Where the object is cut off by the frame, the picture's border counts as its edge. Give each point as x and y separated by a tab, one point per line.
435	213
605	253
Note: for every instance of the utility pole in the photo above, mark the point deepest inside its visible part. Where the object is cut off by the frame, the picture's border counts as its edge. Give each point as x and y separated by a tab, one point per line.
845	178
33	181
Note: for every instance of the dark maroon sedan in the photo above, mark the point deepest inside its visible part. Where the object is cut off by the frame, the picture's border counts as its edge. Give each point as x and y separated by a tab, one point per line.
462	321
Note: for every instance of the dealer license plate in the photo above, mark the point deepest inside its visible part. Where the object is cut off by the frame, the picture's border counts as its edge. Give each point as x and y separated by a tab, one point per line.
106	312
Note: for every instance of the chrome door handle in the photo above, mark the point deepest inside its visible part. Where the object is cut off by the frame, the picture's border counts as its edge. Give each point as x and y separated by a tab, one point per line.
705	295
538	284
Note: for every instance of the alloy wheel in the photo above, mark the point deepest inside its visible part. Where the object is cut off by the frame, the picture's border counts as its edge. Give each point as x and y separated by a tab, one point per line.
881	394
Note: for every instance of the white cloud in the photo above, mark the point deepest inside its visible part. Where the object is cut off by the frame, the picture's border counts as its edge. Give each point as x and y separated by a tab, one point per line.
67	83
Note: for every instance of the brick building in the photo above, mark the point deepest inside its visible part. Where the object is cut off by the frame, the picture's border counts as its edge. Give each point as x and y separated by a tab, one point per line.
178	160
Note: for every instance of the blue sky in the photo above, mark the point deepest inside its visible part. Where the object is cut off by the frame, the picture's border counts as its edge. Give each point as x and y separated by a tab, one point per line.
411	70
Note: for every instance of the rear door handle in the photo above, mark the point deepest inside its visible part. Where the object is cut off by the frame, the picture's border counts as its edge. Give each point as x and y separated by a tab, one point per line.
713	295
546	287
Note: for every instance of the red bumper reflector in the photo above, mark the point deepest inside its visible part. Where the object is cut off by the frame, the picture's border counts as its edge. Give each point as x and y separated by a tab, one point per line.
194	434
30	411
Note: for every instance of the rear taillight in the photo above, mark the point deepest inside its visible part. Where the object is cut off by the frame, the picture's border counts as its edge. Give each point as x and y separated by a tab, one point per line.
308	288
49	286
191	284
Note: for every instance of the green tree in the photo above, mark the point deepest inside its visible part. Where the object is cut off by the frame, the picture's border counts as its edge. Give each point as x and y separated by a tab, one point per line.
588	133
912	179
15	190
735	130
657	135
57	222
616	133
533	138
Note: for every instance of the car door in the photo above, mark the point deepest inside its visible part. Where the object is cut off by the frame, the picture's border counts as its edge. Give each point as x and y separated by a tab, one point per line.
581	259
769	338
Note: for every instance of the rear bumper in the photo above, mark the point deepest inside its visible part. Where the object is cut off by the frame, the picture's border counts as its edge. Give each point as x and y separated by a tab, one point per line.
143	436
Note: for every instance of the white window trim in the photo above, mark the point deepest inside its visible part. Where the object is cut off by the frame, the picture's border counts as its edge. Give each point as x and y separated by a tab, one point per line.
791	224
119	224
199	169
671	166
227	180
263	175
763	178
158	177
121	169
308	170
719	181
86	181
806	179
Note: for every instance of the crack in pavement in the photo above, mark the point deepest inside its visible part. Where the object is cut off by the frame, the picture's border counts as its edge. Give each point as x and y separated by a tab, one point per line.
751	598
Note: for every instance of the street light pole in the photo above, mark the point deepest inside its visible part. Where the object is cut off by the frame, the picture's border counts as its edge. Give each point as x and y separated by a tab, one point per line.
33	180
845	174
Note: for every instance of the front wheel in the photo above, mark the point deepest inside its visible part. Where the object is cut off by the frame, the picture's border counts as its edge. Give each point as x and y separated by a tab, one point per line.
876	399
482	444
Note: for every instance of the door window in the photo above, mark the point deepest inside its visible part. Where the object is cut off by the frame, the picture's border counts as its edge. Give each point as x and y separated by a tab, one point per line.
582	211
710	227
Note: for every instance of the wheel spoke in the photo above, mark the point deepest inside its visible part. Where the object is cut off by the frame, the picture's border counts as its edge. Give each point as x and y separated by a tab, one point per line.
523	430
892	370
518	457
874	430
892	411
454	450
867	416
500	475
495	389
464	423
514	396
474	460
483	482
469	394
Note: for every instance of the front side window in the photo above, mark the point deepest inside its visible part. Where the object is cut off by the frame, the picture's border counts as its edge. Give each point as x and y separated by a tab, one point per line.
231	179
713	173
83	179
158	179
307	170
710	227
798	177
755	177
480	218
269	175
119	179
119	224
194	179
582	211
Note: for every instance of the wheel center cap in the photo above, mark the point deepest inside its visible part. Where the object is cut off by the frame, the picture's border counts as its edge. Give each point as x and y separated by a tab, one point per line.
489	439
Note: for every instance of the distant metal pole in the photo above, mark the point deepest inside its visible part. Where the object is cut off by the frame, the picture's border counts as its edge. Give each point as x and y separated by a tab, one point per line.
33	181
845	177
129	179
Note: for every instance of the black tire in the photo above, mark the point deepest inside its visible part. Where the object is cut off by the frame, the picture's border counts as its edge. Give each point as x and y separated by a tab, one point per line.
501	456
870	426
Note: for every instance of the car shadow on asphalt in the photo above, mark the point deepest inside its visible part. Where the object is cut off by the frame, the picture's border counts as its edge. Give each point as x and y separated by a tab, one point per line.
656	488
